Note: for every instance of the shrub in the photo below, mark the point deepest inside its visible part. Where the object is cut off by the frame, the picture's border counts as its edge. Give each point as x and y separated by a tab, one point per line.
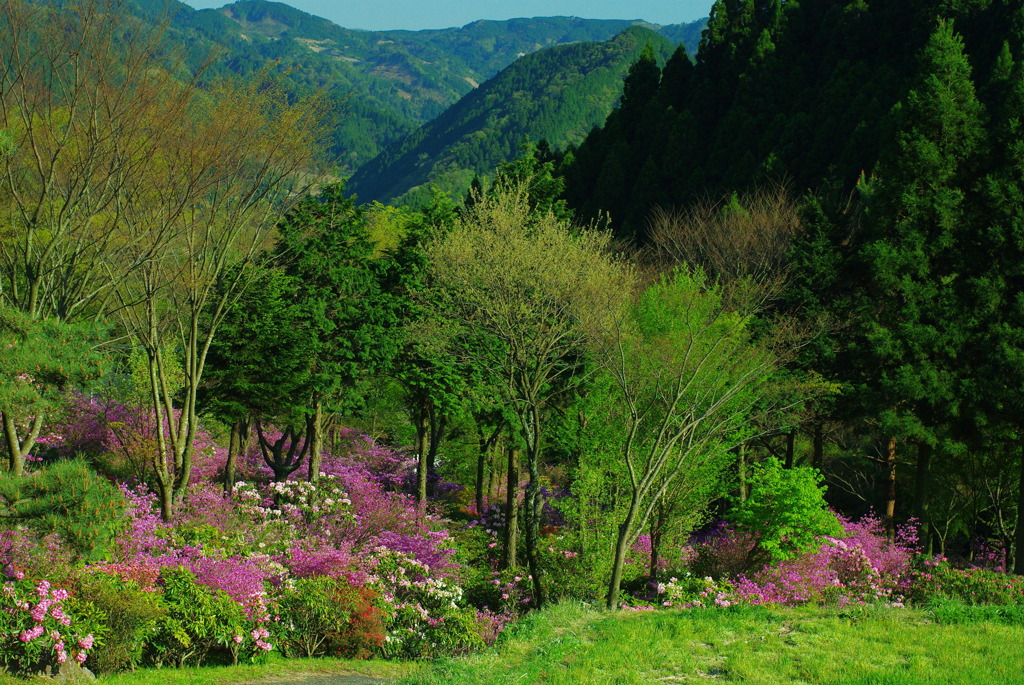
69	499
328	617
39	630
938	580
201	620
130	614
427	619
786	510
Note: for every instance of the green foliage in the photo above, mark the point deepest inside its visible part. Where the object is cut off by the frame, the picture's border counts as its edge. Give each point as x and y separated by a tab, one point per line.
198	622
328	617
972	586
129	613
43	358
67	498
786	510
556	95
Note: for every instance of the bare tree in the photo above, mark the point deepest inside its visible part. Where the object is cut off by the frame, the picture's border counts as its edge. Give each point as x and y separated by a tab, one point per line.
741	236
238	158
86	97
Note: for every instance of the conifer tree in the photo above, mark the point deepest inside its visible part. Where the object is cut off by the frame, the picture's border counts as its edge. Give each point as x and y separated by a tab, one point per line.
913	330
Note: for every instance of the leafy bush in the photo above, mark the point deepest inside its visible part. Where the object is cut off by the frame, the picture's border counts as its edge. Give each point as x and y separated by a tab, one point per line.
427	620
200	621
39	630
131	614
328	617
69	499
786	510
938	580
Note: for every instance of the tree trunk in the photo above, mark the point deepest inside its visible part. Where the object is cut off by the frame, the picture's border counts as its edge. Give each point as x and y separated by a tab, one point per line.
1018	561
621	547
510	556
481	459
889	509
316	439
237	443
534	504
921	477
658	524
818	451
18	449
790	448
744	471
422	431
438	428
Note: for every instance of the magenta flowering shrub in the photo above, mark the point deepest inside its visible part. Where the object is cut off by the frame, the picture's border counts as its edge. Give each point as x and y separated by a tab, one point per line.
317	557
40	631
122	439
142	534
863	566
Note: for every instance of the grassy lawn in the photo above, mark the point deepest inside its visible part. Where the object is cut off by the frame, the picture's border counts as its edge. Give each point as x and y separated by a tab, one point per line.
571	645
278	670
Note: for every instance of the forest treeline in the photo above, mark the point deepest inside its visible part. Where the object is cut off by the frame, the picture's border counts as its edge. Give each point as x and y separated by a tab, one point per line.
557	95
895	128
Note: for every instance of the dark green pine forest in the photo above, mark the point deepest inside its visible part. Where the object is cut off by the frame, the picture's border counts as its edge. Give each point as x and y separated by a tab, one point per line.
894	132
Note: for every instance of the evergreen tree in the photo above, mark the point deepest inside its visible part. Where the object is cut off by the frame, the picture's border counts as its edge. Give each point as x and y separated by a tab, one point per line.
913	329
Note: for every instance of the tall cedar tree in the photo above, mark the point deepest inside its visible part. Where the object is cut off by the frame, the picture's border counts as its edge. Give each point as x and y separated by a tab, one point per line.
913	330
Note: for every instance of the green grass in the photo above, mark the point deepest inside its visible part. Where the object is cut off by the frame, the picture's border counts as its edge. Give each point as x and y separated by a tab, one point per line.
572	645
277	669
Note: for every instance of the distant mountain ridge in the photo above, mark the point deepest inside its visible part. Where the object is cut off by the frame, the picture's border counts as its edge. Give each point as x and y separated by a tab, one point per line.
557	94
388	83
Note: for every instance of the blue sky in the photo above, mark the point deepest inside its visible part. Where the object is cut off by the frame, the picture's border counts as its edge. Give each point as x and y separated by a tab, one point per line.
424	14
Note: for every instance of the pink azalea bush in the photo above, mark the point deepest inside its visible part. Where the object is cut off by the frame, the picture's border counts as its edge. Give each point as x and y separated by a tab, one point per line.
40	630
860	567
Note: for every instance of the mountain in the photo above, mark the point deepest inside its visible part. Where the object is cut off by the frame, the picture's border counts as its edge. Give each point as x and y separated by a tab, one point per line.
385	83
557	94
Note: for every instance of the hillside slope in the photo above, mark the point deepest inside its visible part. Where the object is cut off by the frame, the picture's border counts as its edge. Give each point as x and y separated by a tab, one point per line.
557	94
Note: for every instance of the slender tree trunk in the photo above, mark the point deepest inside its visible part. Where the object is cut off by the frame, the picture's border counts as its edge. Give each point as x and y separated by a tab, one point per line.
316	437
790	447
237	443
438	428
621	547
422	432
534	505
510	556
744	471
889	509
1018	561
921	478
481	459
493	479
658	524
818	450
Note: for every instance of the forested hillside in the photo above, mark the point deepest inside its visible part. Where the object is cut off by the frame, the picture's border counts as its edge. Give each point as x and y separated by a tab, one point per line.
894	132
776	390
384	84
557	94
